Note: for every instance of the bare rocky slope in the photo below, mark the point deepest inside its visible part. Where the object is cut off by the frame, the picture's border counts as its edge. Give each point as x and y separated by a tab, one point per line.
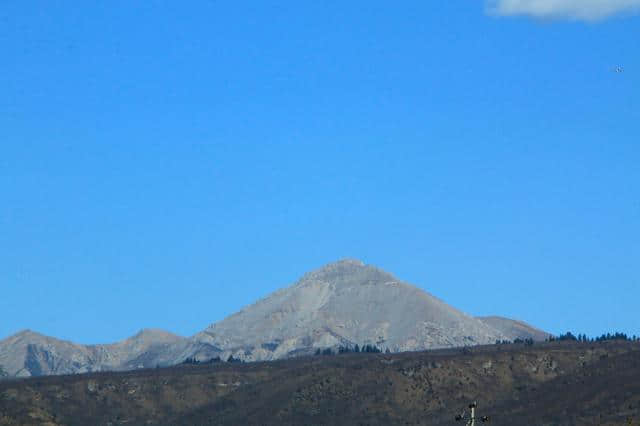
515	329
345	303
28	353
342	303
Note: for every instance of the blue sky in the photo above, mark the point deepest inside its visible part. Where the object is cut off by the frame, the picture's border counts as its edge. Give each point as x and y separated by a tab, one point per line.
163	165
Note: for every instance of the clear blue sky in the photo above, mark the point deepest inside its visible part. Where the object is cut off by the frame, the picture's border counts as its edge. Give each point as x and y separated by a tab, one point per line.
163	164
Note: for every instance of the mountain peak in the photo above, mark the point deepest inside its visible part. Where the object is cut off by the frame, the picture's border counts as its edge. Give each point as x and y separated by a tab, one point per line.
154	335
341	264
347	261
151	332
27	333
343	303
345	271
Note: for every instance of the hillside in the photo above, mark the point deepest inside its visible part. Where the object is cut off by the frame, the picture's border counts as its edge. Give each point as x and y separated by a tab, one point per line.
559	383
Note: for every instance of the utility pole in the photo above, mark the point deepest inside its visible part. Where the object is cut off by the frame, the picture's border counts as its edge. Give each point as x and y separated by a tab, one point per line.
472	419
473	414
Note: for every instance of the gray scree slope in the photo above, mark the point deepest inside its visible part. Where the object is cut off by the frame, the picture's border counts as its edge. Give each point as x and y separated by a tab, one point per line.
345	302
515	329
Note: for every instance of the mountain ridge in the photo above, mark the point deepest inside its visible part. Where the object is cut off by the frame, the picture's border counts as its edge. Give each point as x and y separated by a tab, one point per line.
342	303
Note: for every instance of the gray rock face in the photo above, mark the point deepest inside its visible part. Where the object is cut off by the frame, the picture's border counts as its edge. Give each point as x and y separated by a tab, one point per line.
342	303
32	354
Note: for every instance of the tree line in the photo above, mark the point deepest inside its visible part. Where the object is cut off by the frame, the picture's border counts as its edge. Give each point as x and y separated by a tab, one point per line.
344	349
528	341
195	361
569	336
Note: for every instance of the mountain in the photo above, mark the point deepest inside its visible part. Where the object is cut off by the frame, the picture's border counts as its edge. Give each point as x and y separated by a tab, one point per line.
341	304
515	329
345	303
28	353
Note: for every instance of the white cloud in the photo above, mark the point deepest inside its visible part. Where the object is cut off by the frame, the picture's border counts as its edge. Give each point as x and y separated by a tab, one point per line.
588	10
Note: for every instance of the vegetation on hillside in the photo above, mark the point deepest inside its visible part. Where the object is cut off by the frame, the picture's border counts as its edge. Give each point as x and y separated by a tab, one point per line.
528	341
569	336
603	338
554	383
365	349
216	360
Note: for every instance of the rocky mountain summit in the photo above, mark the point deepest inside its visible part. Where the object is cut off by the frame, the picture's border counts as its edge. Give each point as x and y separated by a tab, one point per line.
346	303
341	304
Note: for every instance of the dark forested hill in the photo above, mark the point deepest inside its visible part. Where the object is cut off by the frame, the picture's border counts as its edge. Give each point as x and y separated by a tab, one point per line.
558	383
